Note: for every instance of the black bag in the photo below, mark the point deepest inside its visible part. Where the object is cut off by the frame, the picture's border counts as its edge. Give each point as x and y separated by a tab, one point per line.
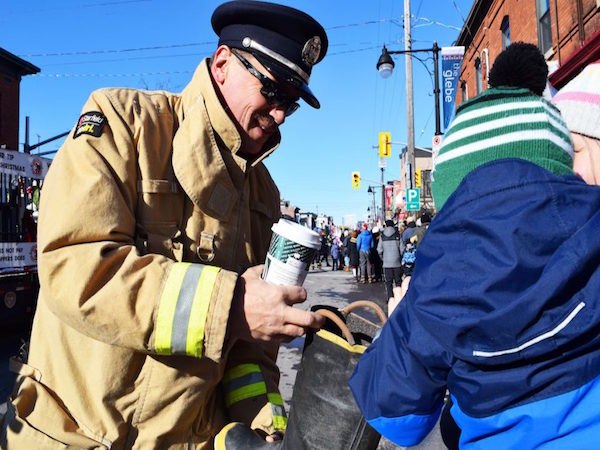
323	413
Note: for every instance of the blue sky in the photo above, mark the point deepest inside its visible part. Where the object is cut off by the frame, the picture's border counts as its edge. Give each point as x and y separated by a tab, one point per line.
156	44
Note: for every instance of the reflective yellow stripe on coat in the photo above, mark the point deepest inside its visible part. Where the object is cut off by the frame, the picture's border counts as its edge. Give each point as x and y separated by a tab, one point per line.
247	381
183	309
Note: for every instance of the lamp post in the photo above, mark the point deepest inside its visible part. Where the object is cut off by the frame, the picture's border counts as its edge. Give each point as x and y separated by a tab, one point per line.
385	66
371	190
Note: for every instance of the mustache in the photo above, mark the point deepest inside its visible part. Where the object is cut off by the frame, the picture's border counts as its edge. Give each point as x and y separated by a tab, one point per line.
266	121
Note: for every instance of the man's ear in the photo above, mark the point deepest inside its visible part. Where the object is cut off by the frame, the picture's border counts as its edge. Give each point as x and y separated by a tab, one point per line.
220	64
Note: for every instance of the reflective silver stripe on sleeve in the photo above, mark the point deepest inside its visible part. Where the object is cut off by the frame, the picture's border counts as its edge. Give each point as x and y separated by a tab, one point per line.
183	309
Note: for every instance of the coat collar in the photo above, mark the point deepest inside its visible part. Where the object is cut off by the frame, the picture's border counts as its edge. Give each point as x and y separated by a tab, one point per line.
201	88
206	149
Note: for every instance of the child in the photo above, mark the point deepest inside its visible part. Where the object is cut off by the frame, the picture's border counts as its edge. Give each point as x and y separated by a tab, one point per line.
408	258
499	311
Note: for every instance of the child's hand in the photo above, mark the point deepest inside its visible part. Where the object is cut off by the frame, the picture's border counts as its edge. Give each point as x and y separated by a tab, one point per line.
399	293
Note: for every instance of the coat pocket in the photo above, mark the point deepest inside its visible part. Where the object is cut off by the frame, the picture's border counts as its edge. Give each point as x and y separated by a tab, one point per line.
35	418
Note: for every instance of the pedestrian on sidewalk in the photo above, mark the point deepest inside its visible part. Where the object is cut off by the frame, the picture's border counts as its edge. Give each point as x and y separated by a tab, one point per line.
409	257
353	255
375	258
154	223
345	243
364	244
390	249
497	296
409	230
335	253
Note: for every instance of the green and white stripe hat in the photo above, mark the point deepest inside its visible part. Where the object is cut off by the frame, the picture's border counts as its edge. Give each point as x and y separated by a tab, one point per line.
502	122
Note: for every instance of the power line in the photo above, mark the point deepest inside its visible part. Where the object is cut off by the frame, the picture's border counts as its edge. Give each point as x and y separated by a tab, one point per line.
393	20
109	75
463	18
125	50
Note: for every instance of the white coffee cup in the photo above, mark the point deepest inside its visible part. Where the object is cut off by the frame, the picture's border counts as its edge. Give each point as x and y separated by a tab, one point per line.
292	249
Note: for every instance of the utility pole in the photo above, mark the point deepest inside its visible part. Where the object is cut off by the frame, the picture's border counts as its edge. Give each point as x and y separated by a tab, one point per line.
382	198
27	148
410	119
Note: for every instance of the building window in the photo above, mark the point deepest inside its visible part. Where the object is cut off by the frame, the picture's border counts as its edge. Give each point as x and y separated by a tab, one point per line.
505	29
544	28
463	91
478	85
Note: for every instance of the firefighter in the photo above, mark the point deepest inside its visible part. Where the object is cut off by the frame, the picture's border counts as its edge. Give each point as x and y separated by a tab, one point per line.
153	327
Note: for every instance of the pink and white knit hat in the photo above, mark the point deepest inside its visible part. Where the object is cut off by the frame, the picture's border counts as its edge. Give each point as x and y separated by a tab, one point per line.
579	102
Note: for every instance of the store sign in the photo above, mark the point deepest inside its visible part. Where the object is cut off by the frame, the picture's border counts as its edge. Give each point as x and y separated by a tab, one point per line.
23	164
17	254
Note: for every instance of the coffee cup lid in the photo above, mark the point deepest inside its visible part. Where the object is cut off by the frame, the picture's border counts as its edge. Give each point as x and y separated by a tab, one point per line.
297	233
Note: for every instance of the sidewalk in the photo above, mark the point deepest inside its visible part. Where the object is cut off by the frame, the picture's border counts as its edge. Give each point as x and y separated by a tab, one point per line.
338	288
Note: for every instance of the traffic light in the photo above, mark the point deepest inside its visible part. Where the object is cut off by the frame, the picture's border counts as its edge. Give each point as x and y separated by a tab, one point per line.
418	178
385	144
355	180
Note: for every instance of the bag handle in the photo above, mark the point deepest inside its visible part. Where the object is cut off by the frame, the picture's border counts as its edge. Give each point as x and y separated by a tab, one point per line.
339	322
366	304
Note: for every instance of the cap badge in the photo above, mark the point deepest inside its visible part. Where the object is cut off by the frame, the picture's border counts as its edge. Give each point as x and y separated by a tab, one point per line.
311	50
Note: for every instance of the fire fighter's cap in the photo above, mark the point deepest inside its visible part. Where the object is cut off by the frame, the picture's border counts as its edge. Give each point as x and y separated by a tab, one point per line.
288	42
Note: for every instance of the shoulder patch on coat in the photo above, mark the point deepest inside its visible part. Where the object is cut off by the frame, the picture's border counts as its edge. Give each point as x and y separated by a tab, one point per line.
91	123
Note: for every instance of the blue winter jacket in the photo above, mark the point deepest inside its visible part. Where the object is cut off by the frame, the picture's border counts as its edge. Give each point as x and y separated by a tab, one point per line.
364	242
503	310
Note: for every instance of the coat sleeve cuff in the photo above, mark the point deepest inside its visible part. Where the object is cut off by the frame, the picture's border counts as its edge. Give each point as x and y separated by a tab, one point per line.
218	315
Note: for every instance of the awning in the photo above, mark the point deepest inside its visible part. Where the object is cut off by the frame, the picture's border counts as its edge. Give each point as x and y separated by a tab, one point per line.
569	69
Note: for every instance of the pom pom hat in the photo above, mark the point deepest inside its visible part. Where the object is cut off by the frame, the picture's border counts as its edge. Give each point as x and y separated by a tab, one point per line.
579	102
288	42
500	123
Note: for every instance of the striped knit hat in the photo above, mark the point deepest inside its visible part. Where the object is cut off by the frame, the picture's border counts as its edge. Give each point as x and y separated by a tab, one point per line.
504	122
579	102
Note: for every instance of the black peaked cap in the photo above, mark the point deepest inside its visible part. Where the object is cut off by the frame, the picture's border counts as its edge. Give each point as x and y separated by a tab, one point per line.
288	42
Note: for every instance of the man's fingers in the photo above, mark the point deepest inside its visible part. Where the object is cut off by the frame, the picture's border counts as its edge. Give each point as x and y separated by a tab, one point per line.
293	294
301	318
255	271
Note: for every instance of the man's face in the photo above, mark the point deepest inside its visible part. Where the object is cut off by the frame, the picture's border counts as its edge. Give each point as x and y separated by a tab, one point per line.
586	158
257	120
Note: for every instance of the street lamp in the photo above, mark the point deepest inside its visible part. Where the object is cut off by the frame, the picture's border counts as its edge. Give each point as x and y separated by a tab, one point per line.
385	67
371	190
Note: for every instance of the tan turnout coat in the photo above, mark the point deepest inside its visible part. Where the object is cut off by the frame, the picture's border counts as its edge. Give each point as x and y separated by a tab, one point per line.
142	232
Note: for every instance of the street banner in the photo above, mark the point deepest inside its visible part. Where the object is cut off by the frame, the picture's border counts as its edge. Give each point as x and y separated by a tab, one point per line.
451	62
388	197
23	164
18	254
399	198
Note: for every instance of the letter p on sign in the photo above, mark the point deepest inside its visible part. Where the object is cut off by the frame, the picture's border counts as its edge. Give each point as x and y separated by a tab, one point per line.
413	199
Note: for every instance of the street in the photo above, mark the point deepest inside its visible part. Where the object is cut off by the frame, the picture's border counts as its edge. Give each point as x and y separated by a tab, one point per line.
325	287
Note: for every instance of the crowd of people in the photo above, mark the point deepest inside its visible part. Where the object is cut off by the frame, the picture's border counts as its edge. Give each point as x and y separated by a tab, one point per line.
372	254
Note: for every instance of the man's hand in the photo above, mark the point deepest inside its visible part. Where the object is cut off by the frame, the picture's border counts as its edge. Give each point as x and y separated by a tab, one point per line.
263	312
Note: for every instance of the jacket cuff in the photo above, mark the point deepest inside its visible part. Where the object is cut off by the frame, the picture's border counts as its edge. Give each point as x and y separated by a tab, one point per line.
192	311
218	315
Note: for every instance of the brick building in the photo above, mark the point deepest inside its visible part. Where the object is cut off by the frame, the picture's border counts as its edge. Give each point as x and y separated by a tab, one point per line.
566	31
12	68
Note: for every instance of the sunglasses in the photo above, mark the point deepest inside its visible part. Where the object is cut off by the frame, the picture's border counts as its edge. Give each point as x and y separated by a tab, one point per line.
270	90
